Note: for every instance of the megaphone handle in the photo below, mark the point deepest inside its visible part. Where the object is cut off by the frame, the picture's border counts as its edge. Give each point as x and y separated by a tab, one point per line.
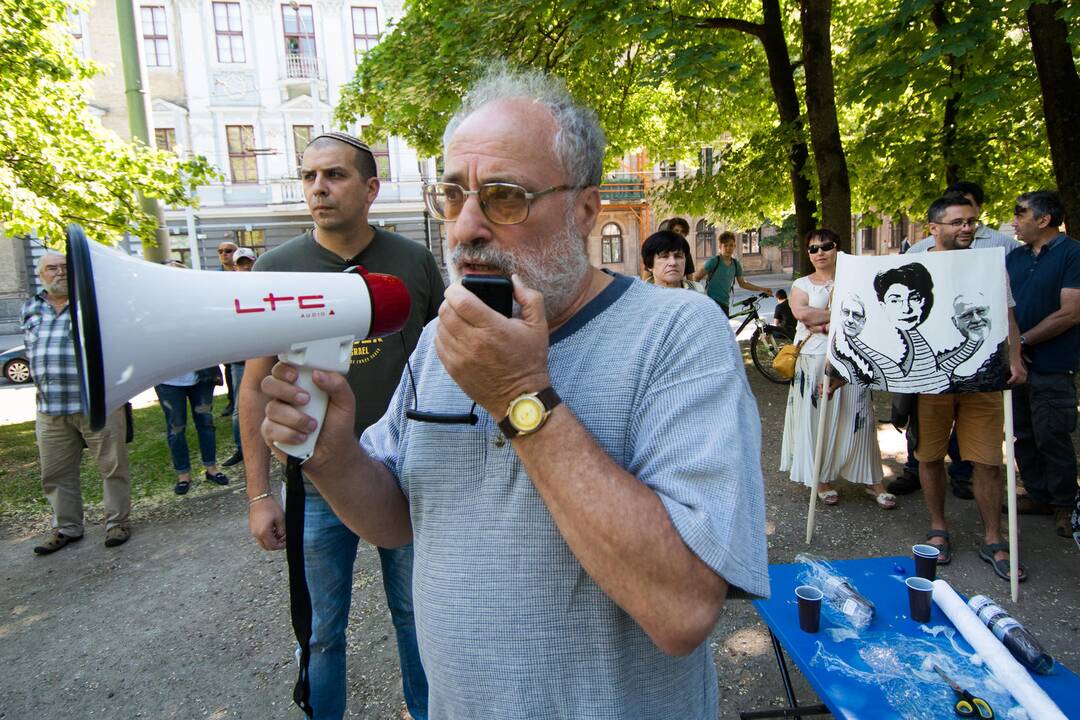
330	354
316	408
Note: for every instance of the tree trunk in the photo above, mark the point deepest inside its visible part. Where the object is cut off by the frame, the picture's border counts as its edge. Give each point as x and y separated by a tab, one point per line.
782	79
1061	102
832	171
949	128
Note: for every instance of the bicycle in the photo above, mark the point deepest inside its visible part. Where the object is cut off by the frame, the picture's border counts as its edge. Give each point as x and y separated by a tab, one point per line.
767	339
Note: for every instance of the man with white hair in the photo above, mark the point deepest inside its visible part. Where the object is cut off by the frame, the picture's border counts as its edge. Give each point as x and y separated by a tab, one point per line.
62	428
576	532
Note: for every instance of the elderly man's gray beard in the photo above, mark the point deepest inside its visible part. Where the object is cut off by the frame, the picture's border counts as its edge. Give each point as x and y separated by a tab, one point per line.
555	268
56	288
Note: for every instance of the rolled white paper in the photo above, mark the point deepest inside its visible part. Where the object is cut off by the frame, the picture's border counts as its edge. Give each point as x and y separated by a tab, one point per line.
1008	672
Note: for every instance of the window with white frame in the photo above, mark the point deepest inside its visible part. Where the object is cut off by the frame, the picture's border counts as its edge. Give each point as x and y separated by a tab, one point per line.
611	244
380	149
751	243
365	29
155	36
228	32
301	135
76	25
165	139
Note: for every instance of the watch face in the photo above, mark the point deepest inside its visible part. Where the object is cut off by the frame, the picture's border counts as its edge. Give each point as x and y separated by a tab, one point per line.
526	414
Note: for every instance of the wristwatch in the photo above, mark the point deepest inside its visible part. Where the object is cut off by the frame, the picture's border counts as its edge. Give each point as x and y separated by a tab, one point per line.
527	413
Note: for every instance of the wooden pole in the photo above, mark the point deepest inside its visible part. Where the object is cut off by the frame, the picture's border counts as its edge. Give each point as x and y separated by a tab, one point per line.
823	403
1010	473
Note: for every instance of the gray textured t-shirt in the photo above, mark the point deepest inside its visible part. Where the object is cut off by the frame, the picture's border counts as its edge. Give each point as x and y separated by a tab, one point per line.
509	623
985	237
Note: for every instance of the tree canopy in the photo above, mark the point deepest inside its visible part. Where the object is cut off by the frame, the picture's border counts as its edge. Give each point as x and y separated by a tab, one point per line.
58	164
927	91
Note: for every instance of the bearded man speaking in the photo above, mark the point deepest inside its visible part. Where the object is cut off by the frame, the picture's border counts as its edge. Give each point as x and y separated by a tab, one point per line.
575	545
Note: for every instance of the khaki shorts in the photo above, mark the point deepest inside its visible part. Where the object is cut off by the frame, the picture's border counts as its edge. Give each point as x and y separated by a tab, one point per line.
980	426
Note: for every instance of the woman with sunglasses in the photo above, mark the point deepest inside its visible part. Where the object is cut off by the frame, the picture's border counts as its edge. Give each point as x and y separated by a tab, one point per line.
850	447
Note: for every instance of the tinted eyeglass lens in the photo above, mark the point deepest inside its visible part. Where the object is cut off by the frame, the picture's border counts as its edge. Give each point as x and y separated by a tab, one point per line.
444	200
504	203
823	247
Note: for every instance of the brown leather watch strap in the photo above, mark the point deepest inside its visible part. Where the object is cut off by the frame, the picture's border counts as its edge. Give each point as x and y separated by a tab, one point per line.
550	400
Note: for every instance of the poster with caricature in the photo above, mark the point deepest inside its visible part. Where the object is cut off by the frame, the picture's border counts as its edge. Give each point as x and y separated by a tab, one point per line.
931	322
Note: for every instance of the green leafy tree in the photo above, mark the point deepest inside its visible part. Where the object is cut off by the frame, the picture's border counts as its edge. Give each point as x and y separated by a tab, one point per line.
57	163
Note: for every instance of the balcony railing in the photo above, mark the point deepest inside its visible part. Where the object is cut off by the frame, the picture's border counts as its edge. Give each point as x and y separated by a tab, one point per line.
301	67
621	189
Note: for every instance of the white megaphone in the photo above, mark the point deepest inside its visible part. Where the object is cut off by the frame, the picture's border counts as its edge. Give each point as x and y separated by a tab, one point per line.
137	323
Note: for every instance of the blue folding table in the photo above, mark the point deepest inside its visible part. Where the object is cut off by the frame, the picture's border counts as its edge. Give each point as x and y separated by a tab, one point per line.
847	697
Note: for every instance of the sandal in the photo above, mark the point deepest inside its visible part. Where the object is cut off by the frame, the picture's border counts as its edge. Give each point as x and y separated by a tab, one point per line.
886	500
945	548
182	487
1001	567
829	497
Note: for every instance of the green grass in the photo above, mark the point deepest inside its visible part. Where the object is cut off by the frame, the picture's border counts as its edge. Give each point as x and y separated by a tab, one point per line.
152	475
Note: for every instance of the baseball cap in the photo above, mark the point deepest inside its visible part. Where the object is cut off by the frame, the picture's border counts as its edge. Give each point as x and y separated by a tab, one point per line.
244	253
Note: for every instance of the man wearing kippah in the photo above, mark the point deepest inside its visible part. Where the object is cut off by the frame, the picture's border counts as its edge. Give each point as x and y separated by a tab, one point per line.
341	182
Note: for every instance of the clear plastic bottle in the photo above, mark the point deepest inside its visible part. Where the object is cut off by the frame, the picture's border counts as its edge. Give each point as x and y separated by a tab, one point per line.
1021	643
848	601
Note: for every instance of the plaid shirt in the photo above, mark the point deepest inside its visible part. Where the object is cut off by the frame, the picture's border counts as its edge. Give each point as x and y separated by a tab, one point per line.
51	351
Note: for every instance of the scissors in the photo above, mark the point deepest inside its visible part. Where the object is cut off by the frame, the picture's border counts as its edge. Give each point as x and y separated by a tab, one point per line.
968	706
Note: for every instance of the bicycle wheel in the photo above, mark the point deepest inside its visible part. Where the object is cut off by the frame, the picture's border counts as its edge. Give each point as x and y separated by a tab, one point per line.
763	348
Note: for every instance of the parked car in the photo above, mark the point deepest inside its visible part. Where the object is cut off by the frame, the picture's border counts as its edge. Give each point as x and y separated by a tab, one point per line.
16	365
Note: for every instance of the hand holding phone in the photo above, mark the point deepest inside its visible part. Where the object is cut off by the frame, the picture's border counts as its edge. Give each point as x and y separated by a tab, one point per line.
497	291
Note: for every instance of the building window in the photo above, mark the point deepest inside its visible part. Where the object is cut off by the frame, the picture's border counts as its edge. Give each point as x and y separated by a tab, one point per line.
668	169
705	159
704	240
381	150
301	136
299	27
155	36
228	32
899	233
751	243
165	139
868	238
242	165
254	239
611	244
365	29
76	21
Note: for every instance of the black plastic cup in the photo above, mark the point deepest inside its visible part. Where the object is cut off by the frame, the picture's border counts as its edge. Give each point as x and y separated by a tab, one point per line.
926	557
809	608
920	593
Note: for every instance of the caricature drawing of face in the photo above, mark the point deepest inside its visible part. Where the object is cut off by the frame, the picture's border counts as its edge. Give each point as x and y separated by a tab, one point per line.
971	315
853	315
904	306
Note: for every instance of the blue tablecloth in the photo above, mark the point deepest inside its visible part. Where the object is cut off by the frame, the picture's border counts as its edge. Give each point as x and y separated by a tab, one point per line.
853	697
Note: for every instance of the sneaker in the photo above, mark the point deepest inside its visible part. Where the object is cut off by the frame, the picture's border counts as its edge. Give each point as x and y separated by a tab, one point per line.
236	459
117	535
904	485
1062	524
54	542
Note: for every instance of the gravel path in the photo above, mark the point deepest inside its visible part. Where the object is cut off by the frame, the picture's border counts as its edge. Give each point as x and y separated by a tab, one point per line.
190	619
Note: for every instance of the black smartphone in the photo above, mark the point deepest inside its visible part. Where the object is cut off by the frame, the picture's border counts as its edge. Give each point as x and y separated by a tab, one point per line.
496	291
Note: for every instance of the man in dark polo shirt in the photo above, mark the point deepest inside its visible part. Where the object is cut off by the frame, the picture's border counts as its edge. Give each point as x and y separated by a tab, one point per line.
1045	278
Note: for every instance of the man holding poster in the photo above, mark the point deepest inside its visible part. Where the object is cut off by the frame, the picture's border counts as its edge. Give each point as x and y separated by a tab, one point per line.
942	326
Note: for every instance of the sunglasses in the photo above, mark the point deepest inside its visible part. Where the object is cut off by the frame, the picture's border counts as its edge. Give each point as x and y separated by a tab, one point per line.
501	203
823	247
226	251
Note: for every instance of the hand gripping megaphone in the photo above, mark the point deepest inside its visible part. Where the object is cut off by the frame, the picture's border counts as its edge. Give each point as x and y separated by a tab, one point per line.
137	323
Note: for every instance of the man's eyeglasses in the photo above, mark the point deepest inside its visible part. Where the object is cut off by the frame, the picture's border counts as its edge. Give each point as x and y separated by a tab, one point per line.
957	224
54	269
225	251
823	247
501	203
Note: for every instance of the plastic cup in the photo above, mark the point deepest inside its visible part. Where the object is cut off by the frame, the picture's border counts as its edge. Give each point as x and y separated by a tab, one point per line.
920	594
926	557
809	608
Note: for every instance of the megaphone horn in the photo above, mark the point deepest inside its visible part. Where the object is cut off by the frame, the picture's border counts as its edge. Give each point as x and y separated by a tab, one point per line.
137	324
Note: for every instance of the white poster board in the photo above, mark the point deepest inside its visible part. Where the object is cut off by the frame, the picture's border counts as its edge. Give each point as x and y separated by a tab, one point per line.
929	322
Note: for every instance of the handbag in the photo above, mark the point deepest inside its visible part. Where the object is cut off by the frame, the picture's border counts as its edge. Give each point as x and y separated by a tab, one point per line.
784	362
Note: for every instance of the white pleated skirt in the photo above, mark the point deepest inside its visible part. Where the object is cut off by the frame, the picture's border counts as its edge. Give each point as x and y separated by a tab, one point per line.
850	449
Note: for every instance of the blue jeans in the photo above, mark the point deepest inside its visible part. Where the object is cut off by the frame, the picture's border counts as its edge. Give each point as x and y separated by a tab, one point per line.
329	552
237	370
174	401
